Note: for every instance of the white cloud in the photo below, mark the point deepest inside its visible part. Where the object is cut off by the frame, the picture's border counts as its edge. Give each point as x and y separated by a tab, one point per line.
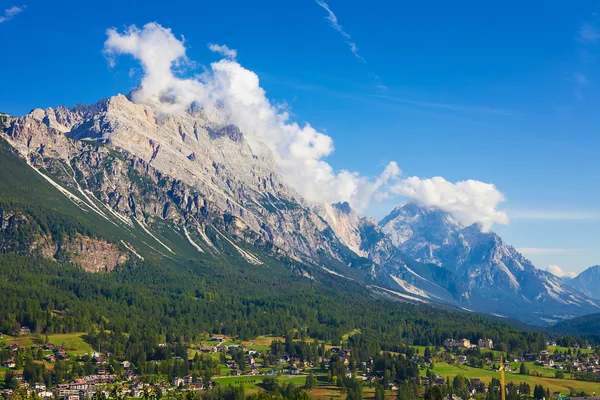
331	17
558	271
10	12
223	50
532	251
233	94
588	33
467	201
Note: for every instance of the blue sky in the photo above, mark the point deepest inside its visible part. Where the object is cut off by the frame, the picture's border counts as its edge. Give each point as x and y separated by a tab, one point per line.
501	94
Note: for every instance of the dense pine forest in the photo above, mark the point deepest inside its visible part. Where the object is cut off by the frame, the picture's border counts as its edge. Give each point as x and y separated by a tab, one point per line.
154	300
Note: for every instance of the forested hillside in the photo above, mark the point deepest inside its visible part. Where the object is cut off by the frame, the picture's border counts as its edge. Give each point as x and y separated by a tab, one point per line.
187	300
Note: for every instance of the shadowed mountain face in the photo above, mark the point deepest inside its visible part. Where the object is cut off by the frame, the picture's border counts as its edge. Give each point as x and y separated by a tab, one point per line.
131	183
587	282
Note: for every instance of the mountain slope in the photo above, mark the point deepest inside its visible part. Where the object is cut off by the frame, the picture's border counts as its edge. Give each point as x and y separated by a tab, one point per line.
172	172
587	326
587	282
497	278
127	183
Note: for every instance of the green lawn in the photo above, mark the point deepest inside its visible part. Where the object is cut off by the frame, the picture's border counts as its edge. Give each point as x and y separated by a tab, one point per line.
565	386
254	380
421	349
73	342
561	349
547	372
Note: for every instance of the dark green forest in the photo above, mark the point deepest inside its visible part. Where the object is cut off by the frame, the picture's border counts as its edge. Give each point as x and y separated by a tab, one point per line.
154	300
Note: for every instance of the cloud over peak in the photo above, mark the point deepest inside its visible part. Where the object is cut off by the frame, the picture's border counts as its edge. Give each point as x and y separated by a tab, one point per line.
468	201
561	273
233	94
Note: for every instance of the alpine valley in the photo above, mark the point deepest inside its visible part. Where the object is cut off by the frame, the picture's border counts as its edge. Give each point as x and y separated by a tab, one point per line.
118	183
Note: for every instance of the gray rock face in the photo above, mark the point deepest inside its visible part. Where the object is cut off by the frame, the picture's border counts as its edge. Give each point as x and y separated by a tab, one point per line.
184	168
137	166
587	282
495	275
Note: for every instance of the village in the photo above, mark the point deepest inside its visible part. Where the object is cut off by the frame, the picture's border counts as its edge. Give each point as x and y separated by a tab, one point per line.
34	369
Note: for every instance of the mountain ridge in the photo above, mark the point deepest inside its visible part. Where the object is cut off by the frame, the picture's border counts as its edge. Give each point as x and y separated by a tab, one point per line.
192	186
587	282
492	271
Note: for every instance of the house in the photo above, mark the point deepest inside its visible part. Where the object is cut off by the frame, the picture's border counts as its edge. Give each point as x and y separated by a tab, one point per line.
219	339
449	343
50	358
485	343
177	381
10	363
126	364
49	346
25	331
462	359
507	367
187	379
98	360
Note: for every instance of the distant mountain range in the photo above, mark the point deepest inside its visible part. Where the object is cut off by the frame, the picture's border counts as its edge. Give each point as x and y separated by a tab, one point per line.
130	182
587	282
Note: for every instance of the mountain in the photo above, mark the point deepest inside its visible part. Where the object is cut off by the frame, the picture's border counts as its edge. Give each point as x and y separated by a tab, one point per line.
181	176
587	326
587	282
497	278
390	267
117	183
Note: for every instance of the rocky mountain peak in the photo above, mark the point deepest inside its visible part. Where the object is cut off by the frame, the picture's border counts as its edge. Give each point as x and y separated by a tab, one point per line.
587	282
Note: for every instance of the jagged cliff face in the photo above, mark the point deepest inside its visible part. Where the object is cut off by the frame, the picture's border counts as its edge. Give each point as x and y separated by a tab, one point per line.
184	169
491	270
186	187
587	282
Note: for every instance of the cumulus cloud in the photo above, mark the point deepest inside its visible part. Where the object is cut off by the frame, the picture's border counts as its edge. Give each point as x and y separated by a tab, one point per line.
10	12
333	21
232	94
467	201
558	271
223	50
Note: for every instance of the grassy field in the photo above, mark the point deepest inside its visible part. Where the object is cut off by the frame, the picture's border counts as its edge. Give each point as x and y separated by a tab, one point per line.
262	343
73	342
552	349
565	386
328	392
249	382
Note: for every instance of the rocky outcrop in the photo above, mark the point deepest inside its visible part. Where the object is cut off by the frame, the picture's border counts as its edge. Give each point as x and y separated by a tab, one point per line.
184	168
587	282
92	254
